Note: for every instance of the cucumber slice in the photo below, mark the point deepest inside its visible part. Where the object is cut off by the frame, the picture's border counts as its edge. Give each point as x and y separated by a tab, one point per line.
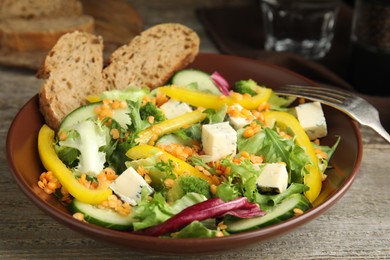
280	212
102	217
79	114
87	111
173	139
185	78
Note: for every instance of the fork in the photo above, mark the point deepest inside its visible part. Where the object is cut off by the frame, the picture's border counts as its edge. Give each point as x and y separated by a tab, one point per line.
354	106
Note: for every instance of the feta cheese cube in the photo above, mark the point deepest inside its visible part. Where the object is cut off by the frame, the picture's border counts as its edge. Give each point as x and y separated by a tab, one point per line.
240	121
312	119
174	108
273	177
219	140
128	186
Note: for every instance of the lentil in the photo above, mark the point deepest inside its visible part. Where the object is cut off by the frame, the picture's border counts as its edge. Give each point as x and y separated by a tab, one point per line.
115	133
168	182
147	179
48	182
297	211
252	129
213	189
161	99
79	216
62	136
114	203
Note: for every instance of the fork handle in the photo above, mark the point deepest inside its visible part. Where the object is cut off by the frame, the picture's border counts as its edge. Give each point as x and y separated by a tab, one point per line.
381	131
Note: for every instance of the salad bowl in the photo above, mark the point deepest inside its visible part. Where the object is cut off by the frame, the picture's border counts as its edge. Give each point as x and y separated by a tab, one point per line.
26	166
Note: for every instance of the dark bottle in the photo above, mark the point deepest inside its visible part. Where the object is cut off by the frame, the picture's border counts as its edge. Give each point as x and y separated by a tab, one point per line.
369	66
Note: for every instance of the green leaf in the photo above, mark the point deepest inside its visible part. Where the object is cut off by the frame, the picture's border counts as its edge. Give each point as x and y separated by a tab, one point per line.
151	212
241	181
280	103
274	148
266	202
216	116
195	229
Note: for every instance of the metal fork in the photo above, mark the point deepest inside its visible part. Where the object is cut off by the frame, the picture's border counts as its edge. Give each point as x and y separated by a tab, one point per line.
349	103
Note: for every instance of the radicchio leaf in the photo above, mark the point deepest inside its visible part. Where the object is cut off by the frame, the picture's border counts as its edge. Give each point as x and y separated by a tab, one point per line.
211	208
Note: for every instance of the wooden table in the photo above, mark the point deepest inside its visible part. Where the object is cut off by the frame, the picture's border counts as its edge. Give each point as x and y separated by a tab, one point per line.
358	226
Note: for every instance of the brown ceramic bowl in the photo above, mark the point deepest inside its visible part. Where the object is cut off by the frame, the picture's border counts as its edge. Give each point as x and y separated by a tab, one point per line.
26	166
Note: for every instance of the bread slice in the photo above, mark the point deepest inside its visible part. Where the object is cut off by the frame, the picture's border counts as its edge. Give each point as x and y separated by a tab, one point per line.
41	33
39	8
74	67
151	58
73	71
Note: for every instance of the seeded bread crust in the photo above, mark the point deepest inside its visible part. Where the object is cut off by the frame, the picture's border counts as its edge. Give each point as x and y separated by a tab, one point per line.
151	58
41	33
72	71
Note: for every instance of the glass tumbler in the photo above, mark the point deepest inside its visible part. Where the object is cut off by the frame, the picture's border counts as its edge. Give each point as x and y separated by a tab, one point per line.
305	27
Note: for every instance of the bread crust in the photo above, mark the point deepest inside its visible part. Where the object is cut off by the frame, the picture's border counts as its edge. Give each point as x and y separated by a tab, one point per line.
151	58
72	71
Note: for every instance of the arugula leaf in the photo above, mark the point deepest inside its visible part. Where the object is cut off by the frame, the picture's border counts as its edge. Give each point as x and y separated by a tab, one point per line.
115	155
68	155
275	148
280	147
198	161
323	163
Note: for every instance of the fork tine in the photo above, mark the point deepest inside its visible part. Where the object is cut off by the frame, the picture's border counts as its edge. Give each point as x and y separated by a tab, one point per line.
335	93
315	93
330	90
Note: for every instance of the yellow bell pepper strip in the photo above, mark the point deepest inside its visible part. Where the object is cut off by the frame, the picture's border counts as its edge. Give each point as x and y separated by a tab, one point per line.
208	100
144	151
64	175
170	125
285	120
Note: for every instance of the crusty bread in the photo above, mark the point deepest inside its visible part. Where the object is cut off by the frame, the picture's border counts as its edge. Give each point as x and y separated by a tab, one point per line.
151	58
73	71
41	33
39	8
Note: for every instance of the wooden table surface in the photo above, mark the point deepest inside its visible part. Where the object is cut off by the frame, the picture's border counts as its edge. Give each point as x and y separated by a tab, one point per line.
356	227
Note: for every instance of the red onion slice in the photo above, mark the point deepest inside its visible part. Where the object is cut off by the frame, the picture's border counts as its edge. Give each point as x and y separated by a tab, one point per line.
221	83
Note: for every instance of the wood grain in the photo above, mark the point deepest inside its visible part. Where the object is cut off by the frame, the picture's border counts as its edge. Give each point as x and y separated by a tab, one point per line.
357	227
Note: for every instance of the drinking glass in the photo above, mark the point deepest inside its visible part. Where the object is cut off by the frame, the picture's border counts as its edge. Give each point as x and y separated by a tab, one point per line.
305	27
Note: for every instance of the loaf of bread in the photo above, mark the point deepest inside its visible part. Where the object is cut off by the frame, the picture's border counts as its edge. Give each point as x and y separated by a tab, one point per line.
151	58
30	9
31	25
74	67
73	70
40	33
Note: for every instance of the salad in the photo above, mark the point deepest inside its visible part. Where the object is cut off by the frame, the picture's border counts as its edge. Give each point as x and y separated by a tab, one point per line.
195	158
